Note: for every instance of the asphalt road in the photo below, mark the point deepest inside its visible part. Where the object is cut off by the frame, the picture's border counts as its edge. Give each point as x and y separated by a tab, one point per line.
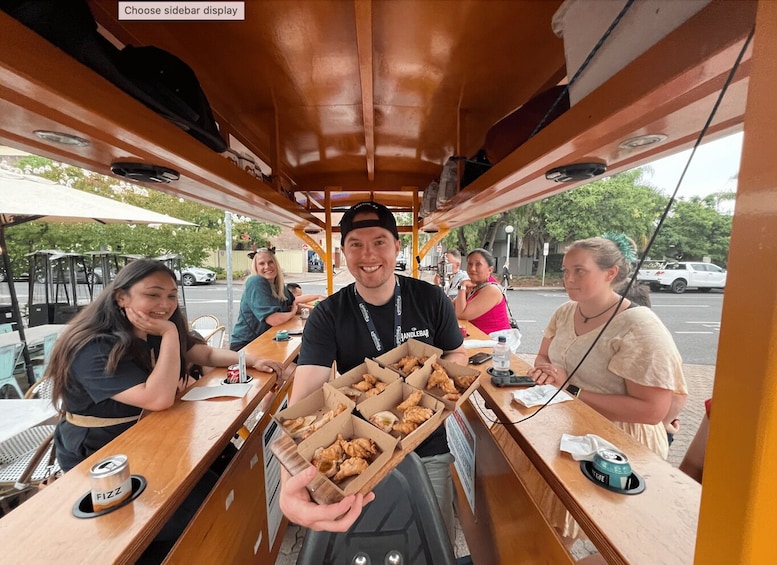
693	318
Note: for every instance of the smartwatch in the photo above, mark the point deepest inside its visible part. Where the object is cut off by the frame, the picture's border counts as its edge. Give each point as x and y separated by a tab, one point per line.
574	390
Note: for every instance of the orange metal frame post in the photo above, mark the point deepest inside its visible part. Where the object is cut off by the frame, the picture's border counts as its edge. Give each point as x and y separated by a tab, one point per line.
736	524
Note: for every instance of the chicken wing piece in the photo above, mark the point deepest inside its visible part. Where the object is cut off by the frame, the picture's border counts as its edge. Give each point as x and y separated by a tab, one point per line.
380	387
363	386
369	378
441	379
360	447
417	414
327	468
409	365
411	400
334	452
405	428
326	461
325	419
463	382
351	467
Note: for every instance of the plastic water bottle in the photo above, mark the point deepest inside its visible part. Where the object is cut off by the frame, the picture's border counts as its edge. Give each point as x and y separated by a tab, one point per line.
501	364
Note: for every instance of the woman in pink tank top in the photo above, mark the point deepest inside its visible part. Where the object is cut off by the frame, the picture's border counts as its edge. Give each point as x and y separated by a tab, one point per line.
480	300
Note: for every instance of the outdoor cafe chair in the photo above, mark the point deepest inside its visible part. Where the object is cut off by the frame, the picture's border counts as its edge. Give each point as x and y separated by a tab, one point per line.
26	460
48	344
8	356
205	324
216	337
43	388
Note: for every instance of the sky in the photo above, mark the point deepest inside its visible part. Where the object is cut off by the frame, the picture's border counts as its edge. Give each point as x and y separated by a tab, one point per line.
712	170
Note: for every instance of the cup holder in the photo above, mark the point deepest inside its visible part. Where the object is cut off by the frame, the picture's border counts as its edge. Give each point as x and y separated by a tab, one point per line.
510	373
83	507
634	483
249	378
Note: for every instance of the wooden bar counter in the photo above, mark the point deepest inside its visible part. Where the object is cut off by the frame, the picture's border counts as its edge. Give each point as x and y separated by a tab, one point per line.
172	449
656	526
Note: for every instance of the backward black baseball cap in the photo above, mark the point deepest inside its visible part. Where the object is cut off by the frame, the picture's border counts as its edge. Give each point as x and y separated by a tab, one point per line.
384	220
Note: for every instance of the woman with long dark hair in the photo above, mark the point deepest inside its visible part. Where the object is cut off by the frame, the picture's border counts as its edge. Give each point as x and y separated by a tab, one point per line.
124	353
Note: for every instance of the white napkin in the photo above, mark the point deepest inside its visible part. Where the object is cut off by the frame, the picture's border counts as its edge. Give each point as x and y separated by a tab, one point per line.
478	343
204	392
583	448
537	395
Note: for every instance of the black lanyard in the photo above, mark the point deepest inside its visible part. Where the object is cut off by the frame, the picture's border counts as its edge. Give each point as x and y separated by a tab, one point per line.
371	324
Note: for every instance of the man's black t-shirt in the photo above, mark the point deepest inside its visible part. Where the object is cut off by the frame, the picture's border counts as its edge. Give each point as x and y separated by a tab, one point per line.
336	331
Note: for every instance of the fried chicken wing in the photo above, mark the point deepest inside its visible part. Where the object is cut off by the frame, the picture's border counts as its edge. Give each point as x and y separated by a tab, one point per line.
369	378
327	467
363	386
463	382
380	387
411	400
405	427
410	365
351	467
417	414
441	379
325	419
327	459
360	447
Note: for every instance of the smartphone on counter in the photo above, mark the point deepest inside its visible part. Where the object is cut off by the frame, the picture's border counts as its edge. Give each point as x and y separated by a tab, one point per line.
512	381
479	358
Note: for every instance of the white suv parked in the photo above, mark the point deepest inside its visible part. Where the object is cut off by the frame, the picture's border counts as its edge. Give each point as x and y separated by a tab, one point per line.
679	276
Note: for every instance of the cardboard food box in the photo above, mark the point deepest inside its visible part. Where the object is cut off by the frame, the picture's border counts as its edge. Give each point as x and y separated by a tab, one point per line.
323	490
296	456
356	375
313	407
411	347
394	395
420	379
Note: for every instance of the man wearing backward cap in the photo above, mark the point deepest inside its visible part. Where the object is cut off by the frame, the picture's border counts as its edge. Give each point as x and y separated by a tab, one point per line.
369	317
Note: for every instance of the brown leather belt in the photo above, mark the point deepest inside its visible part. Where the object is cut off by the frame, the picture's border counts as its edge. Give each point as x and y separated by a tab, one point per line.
97	422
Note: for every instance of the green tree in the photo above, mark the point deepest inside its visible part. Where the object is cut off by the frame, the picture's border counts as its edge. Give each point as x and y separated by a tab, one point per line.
192	242
694	229
620	204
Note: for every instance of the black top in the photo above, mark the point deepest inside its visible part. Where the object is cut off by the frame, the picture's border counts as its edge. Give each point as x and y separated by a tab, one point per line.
89	394
336	331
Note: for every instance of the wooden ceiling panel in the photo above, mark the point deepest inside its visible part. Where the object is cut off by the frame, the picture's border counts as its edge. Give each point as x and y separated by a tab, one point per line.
372	96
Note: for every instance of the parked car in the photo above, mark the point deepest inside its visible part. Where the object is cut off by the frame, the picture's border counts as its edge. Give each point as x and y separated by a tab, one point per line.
682	275
63	277
196	275
315	264
401	262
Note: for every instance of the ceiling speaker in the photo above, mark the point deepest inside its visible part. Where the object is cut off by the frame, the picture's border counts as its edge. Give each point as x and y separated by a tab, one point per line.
144	172
576	172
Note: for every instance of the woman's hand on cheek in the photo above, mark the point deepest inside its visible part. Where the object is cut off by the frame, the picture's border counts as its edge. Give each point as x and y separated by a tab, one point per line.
147	324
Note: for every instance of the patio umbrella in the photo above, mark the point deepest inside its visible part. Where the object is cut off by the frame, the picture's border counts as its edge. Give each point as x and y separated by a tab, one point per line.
26	198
